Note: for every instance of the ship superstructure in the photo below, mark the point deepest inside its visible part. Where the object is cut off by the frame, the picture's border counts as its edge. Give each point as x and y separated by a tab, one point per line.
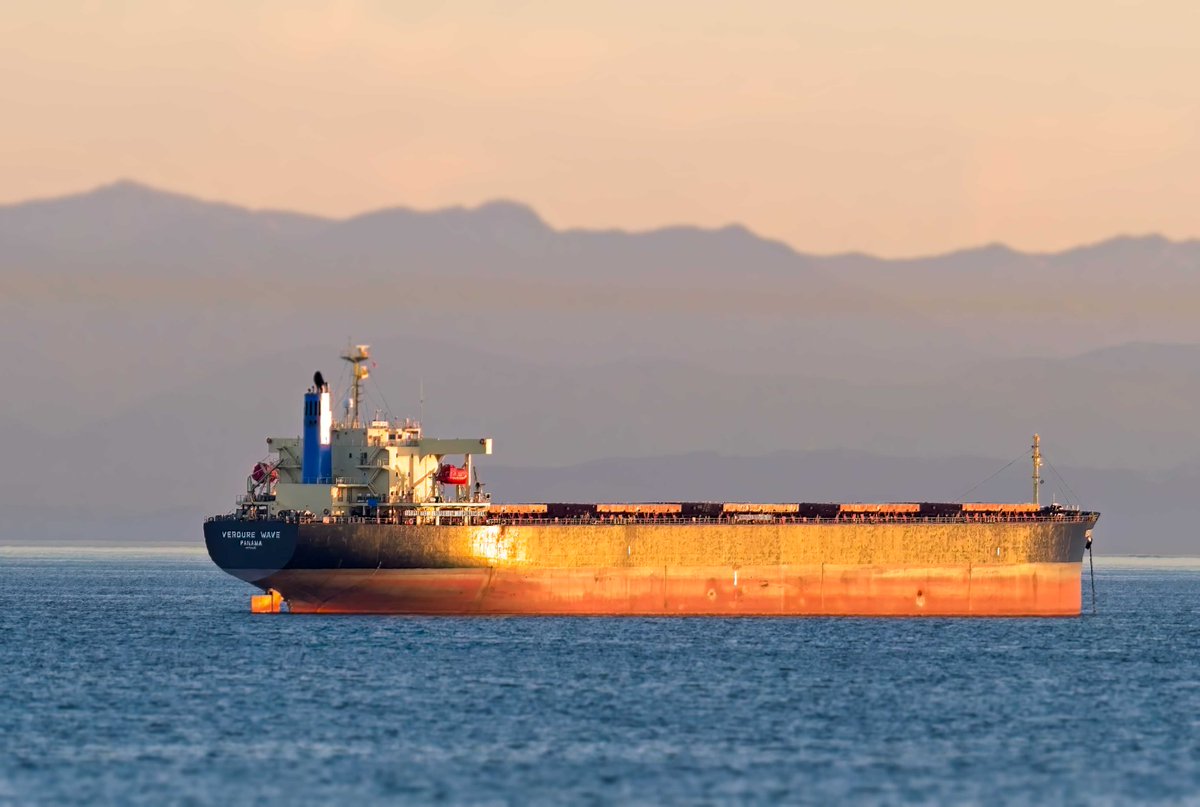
350	468
358	516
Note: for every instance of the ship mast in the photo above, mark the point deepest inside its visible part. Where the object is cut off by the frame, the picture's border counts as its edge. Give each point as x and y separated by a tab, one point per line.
357	355
1037	469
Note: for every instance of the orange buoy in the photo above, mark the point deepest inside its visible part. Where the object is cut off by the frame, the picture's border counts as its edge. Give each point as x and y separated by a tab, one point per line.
269	603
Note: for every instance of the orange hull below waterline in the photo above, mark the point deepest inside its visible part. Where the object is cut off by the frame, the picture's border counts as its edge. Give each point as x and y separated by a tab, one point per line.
1032	589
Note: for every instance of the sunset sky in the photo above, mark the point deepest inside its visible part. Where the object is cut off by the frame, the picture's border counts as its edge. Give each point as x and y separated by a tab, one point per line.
893	128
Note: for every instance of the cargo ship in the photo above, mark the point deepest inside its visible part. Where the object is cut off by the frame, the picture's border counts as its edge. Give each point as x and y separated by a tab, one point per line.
360	516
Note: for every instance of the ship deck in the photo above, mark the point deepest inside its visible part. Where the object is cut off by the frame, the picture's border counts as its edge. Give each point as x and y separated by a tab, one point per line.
506	515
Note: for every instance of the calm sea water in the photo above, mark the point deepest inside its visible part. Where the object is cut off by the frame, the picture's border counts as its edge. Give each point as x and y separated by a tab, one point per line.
140	678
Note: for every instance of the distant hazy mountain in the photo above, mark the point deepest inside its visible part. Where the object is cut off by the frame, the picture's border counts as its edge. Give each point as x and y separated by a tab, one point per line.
127	229
150	342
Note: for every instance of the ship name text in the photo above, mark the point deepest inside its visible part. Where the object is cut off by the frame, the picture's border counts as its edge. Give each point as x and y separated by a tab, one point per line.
239	534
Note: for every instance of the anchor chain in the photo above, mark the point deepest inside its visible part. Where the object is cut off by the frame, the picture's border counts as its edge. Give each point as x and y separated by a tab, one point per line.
1092	570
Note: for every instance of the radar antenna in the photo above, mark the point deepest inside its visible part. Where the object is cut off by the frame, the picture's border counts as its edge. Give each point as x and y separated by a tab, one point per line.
357	355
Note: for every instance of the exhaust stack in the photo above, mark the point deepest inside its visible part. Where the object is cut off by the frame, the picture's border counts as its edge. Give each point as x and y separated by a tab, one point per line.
317	459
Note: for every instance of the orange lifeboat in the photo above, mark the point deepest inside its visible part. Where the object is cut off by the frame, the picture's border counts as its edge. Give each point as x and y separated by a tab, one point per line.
452	475
263	471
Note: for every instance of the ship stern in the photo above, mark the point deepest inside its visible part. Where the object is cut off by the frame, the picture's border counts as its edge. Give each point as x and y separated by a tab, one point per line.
250	550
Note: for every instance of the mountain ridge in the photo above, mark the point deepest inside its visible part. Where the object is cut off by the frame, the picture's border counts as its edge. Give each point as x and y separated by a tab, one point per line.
511	212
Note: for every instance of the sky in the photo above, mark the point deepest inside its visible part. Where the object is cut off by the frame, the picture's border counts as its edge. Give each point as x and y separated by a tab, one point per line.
893	128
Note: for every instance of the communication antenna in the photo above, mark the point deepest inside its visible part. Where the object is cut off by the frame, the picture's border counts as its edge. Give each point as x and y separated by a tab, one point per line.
357	356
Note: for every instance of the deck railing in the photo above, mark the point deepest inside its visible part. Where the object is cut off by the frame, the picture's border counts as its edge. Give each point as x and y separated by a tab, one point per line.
1067	516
